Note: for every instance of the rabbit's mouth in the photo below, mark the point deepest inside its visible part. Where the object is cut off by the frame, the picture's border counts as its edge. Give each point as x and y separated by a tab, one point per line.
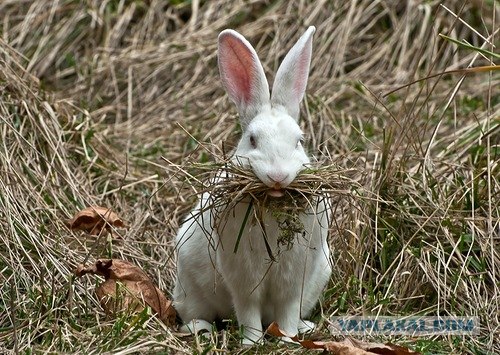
273	192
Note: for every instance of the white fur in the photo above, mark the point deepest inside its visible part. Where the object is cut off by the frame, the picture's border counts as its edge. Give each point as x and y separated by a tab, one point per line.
212	279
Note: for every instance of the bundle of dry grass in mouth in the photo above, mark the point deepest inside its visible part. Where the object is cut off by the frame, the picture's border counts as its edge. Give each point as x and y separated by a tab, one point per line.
229	184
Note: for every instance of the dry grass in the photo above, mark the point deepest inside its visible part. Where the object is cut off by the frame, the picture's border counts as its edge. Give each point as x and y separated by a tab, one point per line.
94	93
229	183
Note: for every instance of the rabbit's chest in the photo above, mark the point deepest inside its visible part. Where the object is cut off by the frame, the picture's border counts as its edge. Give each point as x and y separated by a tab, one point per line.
257	251
259	232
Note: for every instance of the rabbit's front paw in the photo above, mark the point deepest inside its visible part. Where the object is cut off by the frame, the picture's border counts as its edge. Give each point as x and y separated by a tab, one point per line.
196	326
286	340
248	342
252	336
306	326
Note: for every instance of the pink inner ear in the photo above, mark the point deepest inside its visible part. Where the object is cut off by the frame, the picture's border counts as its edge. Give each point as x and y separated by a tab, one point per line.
238	69
300	83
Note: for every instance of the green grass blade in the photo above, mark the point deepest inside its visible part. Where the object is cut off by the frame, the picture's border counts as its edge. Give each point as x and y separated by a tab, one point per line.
469	46
242	227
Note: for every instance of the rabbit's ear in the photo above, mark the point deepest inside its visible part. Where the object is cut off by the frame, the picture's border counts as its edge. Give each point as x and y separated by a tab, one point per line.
291	78
242	75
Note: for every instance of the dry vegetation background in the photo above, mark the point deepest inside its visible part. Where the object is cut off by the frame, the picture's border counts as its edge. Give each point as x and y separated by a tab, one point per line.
93	93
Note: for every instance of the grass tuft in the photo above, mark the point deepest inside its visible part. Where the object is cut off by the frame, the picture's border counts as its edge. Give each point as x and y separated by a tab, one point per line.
94	93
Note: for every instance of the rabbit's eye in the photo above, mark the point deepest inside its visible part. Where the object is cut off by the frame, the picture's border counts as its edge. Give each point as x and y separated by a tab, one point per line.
253	142
300	142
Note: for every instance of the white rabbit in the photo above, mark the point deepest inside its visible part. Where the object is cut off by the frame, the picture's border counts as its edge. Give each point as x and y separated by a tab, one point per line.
212	279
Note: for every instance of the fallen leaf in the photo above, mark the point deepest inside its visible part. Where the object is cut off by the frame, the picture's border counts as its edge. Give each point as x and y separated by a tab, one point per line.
342	348
382	349
137	290
93	219
348	346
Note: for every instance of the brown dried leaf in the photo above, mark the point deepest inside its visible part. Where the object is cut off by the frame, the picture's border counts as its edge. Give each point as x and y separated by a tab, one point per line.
348	346
340	348
382	349
274	330
93	219
118	298
138	289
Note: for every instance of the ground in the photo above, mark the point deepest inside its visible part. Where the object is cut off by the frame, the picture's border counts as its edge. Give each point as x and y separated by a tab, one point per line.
100	100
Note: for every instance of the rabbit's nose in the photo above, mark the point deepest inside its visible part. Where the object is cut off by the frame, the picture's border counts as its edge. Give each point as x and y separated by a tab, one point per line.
277	177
